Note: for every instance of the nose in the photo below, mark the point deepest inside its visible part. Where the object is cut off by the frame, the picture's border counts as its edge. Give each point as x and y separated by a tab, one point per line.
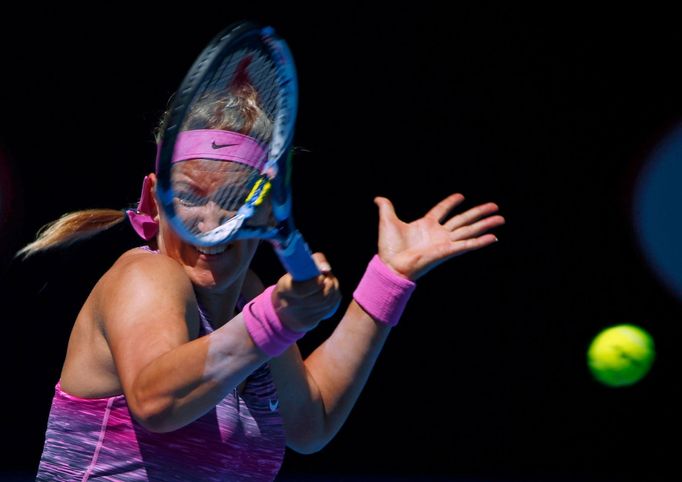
212	216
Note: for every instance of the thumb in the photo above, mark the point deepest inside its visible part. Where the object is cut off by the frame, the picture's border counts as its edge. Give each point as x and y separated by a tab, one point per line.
386	209
322	263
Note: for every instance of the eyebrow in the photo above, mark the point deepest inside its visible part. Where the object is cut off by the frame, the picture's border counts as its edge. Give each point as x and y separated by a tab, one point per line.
184	184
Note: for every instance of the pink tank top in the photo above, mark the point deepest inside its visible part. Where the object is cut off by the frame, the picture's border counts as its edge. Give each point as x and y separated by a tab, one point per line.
241	439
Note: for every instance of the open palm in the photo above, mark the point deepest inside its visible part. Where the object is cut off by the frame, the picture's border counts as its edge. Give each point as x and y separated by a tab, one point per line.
412	249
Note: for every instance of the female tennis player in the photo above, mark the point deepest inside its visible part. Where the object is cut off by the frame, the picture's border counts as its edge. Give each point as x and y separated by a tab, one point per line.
182	366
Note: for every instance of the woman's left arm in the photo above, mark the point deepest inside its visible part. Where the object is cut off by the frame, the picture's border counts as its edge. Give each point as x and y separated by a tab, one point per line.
317	394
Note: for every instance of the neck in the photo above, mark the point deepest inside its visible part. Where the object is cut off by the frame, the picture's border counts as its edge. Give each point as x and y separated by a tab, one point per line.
219	306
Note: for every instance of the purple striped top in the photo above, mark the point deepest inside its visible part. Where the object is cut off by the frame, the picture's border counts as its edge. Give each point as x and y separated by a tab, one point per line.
242	438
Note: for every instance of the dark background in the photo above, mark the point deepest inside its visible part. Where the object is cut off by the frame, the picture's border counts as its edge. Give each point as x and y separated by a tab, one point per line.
549	113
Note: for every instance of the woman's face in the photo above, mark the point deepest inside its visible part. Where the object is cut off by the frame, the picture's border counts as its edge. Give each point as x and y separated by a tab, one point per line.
200	186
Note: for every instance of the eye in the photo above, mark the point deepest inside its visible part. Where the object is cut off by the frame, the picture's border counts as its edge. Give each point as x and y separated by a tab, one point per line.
187	199
227	204
229	199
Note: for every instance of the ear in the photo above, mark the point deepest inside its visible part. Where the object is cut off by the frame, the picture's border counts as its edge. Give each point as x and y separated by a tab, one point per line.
154	204
145	219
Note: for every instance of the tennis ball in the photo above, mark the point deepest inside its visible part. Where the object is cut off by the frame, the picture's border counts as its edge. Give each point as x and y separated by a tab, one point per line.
621	355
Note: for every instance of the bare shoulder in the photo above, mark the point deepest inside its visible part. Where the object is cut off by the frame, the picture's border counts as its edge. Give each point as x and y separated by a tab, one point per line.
146	307
140	266
146	259
140	281
141	307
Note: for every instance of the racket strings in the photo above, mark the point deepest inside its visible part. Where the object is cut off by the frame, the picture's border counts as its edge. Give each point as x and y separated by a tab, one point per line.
209	193
242	95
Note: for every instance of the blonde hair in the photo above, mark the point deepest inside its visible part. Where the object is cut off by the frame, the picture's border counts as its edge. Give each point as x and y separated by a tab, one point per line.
72	227
238	111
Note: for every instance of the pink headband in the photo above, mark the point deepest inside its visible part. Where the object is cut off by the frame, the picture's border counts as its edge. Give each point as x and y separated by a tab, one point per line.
212	144
220	146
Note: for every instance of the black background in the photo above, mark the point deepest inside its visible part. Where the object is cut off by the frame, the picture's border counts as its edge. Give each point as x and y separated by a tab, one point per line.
550	113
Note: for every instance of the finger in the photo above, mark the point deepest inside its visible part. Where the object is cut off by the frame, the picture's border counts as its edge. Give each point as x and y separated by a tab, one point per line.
317	285
301	289
330	299
472	244
440	210
477	229
444	251
386	209
330	312
473	214
330	285
322	263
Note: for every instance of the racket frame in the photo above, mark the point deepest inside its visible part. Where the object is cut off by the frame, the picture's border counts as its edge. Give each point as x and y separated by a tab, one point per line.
287	240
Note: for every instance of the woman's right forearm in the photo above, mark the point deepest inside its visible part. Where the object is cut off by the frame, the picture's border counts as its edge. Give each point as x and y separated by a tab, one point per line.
185	383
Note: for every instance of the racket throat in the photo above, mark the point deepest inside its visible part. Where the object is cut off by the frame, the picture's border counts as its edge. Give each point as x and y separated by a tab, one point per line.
296	257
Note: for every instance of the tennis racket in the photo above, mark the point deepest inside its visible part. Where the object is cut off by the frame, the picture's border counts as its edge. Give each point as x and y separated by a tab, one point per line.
224	161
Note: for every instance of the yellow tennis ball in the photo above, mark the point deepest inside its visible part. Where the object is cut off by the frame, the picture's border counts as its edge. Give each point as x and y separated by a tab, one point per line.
621	355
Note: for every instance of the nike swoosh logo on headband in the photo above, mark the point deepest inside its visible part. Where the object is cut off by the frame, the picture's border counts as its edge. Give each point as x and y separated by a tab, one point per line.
220	146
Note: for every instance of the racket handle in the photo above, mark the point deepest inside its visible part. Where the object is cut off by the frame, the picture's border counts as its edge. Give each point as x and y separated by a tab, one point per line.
297	258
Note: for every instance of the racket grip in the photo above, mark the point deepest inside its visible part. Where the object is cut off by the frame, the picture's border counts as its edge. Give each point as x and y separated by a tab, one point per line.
297	258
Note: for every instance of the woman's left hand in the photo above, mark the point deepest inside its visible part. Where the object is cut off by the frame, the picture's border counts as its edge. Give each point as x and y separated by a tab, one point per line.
413	249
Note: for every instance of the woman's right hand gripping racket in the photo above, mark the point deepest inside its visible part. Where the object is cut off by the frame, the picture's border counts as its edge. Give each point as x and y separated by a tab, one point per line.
224	162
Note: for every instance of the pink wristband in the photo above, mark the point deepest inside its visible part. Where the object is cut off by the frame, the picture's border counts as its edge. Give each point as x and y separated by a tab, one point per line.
383	293
265	327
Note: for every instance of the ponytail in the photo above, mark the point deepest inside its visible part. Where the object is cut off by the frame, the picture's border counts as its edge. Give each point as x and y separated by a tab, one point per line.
72	227
238	111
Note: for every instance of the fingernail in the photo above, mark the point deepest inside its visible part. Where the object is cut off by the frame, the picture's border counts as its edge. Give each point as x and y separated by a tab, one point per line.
325	267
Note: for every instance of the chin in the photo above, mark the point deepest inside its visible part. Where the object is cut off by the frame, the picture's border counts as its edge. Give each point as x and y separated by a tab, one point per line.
219	272
213	281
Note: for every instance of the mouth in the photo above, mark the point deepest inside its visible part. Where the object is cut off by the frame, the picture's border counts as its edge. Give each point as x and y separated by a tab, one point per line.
213	250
